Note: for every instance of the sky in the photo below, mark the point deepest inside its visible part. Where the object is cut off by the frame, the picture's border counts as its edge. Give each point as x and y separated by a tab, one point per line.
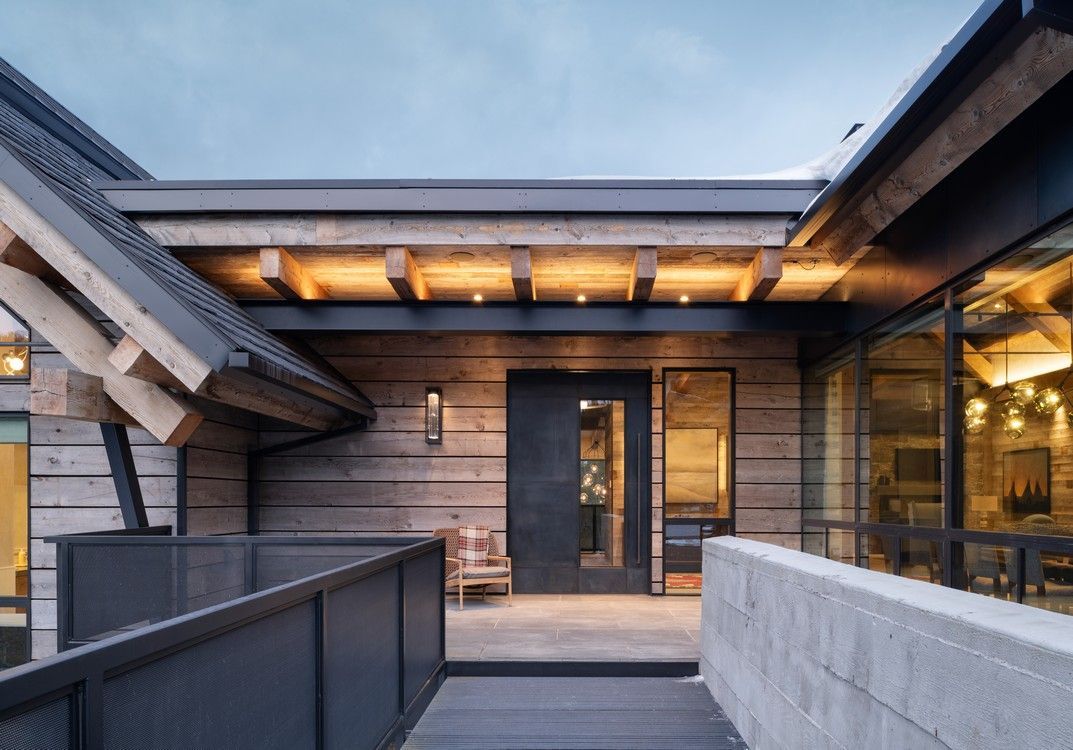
202	89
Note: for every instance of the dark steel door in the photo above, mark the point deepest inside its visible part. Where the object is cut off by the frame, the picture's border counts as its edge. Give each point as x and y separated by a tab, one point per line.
543	450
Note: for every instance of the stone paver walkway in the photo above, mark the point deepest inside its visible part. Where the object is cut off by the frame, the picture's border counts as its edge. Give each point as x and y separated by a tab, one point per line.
575	627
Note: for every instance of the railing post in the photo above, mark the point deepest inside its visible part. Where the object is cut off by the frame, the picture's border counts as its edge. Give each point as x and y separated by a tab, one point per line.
321	624
250	561
402	639
63	595
92	713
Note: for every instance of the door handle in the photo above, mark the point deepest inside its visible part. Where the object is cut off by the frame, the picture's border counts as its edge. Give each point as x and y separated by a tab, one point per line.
637	501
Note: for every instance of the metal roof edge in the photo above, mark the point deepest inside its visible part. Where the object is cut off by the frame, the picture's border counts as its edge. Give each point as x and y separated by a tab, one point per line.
980	34
26	180
35	104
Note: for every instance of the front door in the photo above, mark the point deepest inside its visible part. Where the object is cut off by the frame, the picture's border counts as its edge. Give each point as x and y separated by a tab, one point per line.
578	479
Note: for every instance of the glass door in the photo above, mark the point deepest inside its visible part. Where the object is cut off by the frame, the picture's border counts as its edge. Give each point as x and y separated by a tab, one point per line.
602	483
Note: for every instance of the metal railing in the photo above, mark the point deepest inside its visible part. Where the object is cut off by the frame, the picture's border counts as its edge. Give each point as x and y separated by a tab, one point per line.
346	657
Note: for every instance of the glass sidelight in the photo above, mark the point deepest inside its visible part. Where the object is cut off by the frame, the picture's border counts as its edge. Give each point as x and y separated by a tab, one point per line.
602	483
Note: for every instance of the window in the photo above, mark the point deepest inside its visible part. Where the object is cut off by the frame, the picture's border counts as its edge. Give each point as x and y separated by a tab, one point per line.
14	541
902	414
697	454
829	440
14	347
1015	357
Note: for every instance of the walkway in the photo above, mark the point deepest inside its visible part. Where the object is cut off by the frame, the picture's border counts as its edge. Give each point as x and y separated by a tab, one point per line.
574	627
568	713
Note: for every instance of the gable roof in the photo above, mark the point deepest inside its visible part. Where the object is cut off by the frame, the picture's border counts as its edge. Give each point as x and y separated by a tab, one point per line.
55	176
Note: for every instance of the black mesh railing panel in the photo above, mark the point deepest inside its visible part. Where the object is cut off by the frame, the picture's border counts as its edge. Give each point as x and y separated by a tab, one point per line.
361	661
283	563
251	687
126	586
46	727
423	602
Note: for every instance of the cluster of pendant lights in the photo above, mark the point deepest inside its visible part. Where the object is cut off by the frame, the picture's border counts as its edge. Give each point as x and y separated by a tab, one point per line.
1015	410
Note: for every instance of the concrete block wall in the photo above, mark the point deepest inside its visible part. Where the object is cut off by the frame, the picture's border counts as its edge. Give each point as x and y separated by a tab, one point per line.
802	651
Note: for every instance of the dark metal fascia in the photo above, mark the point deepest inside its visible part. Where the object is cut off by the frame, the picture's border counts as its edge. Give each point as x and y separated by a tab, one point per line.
818	318
187	325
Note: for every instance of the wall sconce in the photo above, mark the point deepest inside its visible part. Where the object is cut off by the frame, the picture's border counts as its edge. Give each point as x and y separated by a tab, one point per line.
13	361
433	415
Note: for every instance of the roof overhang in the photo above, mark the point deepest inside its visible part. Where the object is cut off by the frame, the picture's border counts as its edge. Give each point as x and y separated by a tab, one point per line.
990	36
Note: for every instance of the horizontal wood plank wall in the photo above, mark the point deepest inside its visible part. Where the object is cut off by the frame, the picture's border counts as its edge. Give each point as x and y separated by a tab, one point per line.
388	480
216	470
71	486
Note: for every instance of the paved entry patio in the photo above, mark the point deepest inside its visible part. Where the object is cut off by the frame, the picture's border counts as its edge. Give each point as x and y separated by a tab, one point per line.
574	627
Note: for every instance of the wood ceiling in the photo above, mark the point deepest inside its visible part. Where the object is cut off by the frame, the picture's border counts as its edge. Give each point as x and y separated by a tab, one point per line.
558	272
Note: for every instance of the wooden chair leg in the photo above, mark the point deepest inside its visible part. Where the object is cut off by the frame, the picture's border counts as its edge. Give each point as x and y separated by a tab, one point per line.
460	593
509	595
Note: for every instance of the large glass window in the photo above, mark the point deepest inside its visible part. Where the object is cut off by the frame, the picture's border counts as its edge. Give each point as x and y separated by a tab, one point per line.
14	347
697	451
1015	358
829	440
902	415
14	541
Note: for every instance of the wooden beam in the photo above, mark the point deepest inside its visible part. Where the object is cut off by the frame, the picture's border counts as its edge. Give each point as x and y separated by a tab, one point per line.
409	230
1042	316
291	280
15	252
643	274
1040	62
130	359
67	327
521	273
101	289
404	275
59	392
760	277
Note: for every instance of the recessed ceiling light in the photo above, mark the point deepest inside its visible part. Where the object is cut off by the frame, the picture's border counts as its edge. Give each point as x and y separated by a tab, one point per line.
478	298
581	298
684	298
704	256
461	256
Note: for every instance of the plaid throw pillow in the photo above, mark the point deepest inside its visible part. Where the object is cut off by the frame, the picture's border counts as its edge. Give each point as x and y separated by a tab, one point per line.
473	546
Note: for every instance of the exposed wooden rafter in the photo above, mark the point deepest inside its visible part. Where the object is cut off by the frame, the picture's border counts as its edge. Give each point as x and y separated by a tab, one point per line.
60	392
67	327
404	275
521	273
132	360
761	276
100	288
1040	62
642	275
281	271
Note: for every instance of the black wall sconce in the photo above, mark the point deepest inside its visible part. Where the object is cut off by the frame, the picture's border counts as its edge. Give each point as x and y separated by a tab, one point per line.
433	415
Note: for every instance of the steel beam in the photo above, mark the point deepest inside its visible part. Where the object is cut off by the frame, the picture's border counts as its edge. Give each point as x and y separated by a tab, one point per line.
817	318
124	475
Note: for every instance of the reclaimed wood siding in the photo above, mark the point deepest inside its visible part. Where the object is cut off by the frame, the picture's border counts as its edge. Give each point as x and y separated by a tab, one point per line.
388	480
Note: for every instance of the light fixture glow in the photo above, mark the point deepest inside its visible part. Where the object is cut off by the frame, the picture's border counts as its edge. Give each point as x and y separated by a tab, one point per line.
684	299
1025	392
974	425
976	407
1048	400
14	361
1013	408
1014	426
433	416
478	298
581	298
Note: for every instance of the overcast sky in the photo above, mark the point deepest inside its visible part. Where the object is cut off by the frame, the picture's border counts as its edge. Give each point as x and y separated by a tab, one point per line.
472	88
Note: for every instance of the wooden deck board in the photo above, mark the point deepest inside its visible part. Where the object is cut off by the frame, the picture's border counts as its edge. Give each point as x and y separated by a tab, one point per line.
564	713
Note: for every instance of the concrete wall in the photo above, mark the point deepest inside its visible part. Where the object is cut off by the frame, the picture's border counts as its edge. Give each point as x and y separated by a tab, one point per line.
806	652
